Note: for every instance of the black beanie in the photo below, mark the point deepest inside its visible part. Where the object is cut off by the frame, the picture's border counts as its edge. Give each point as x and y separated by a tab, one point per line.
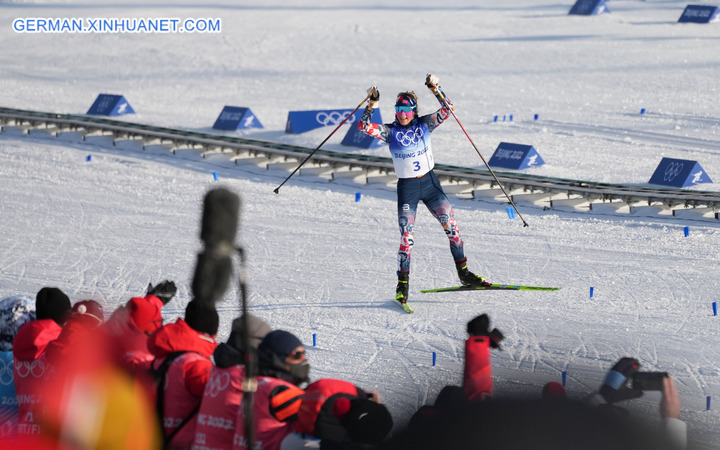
202	318
280	343
367	422
52	303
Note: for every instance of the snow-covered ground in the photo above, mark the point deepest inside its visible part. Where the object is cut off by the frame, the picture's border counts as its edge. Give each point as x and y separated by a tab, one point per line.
321	264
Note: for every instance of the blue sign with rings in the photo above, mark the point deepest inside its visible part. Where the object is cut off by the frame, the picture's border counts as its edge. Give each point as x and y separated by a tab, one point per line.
302	121
679	173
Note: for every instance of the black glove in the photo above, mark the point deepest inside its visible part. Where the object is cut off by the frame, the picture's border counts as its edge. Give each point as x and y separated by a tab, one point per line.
165	291
480	326
615	387
373	94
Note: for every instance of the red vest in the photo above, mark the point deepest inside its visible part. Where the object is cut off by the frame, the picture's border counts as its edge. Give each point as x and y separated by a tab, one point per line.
31	370
218	413
179	402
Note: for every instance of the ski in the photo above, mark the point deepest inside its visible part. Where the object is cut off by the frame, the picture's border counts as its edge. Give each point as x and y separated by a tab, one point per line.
405	307
492	287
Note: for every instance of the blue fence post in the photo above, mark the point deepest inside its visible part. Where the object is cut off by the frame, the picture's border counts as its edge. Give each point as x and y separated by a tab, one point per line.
314	340
434	358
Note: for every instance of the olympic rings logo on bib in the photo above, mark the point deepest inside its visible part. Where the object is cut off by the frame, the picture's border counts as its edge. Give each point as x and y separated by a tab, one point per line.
35	368
332	117
217	383
409	137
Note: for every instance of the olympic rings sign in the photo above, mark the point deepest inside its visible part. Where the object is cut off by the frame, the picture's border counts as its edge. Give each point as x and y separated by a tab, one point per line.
326	118
6	372
673	170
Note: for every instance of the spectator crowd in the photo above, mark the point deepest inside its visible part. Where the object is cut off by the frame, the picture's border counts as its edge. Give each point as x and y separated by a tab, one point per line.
72	378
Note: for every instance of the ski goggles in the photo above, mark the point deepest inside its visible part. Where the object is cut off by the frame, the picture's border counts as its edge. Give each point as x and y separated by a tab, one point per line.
404	109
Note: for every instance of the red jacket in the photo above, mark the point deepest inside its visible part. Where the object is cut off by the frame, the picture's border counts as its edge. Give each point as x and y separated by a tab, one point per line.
185	379
29	371
315	418
134	352
477	377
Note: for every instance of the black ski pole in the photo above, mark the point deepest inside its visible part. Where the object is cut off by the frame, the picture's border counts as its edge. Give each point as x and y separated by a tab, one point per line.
250	381
277	189
450	108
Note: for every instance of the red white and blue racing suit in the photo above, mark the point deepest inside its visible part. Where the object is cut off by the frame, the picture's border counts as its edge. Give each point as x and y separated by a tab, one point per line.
413	161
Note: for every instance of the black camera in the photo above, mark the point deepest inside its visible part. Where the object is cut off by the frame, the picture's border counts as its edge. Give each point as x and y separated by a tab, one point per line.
648	381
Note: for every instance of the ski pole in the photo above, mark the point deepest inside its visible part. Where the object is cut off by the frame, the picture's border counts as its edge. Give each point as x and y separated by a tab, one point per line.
277	189
452	111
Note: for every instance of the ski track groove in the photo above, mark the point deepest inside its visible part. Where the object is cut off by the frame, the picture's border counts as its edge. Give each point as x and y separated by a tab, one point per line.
612	133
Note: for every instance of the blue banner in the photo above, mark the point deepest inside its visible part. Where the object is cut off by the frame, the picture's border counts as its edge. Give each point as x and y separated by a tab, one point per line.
302	121
236	118
700	14
589	7
515	156
679	173
110	105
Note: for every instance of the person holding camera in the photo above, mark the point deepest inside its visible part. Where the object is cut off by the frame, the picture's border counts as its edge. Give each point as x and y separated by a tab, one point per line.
624	381
408	139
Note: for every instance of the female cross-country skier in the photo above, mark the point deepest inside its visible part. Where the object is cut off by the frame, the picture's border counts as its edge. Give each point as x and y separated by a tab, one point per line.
409	140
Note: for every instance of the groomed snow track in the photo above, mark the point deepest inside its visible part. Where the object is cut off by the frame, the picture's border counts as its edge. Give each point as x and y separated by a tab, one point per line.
550	193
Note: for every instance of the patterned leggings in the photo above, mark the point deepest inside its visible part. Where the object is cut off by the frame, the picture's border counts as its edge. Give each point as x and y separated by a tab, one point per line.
426	188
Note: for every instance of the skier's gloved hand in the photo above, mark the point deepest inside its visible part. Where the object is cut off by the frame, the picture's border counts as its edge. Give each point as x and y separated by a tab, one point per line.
373	95
480	326
165	291
431	81
615	387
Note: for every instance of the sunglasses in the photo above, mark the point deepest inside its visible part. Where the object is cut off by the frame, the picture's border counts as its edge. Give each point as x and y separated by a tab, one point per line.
297	355
404	109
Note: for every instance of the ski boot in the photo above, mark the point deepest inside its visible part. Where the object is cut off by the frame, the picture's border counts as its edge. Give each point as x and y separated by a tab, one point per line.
401	292
468	278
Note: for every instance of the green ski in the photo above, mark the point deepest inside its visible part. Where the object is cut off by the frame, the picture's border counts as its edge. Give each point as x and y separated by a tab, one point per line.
492	287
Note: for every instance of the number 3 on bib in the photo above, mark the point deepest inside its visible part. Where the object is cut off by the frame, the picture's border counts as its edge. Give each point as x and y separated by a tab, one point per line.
416	164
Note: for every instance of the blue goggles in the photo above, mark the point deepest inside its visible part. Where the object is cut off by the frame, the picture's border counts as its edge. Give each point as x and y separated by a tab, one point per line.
404	109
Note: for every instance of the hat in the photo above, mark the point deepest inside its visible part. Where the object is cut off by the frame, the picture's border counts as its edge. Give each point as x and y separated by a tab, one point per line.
202	318
405	99
553	391
257	330
146	312
52	303
89	309
280	342
15	312
367	422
